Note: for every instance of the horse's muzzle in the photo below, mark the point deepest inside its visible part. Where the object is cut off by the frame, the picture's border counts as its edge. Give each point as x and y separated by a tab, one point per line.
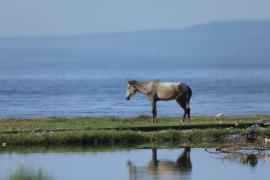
128	98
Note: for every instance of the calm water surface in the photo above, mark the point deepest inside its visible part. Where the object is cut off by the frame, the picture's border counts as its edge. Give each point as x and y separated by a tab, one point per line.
83	91
177	163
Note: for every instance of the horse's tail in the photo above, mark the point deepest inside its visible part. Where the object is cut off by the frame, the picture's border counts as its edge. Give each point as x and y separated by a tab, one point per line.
186	92
184	97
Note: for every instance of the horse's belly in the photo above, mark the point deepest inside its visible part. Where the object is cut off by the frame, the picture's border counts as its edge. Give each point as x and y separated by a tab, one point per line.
166	95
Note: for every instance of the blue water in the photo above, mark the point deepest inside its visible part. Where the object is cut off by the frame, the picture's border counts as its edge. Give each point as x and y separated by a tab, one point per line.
136	164
81	88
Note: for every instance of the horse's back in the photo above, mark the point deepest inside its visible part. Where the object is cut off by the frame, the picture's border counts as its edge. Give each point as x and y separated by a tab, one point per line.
167	90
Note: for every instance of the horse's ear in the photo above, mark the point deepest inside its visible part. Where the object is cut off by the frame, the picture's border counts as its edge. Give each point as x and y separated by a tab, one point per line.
132	82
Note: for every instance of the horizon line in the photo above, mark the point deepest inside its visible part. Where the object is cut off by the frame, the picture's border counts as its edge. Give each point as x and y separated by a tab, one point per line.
131	31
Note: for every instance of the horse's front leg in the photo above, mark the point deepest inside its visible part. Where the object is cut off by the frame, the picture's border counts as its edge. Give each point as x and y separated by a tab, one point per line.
154	111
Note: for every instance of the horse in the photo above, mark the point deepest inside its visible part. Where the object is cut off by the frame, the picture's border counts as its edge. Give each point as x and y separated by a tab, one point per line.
157	90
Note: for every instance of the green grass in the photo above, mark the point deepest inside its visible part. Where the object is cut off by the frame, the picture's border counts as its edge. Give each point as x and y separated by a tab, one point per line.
125	137
94	123
86	130
27	173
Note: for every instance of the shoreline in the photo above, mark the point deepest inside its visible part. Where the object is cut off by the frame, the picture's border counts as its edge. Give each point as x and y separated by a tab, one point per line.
110	131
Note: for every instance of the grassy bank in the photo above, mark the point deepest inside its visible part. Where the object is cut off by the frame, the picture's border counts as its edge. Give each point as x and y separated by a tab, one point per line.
90	130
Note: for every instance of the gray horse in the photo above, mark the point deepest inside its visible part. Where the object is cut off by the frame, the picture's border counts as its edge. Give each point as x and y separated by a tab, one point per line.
157	90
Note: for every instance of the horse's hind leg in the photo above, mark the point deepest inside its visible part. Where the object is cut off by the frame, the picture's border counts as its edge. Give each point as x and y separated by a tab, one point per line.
184	116
184	107
187	110
188	113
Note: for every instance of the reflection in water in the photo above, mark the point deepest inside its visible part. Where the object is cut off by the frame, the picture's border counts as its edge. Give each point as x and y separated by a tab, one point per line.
181	167
149	164
248	159
27	173
248	156
251	159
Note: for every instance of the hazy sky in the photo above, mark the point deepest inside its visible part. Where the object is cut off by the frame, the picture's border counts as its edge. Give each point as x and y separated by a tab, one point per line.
65	17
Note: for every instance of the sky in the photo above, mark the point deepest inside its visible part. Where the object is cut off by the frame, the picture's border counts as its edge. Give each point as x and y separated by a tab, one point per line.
27	18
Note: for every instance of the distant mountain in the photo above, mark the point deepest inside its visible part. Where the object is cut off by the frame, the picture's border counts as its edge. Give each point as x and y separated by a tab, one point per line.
234	43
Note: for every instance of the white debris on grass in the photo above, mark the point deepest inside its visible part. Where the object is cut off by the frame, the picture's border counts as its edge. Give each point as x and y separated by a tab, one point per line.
219	115
266	140
42	133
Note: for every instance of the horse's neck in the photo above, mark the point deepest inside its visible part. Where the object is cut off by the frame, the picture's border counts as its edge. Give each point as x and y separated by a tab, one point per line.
142	87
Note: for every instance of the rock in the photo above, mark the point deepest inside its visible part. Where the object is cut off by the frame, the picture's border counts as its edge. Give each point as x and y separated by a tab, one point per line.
233	138
252	135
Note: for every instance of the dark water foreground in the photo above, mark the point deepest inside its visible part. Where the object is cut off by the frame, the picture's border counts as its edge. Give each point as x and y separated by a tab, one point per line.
152	163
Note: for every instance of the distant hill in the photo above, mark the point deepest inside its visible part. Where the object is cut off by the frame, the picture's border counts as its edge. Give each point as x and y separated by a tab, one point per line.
234	43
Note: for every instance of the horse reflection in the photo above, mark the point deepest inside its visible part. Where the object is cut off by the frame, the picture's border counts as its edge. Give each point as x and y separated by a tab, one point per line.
181	166
248	159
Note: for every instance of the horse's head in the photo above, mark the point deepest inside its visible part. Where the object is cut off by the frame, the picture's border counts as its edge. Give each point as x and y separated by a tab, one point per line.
131	89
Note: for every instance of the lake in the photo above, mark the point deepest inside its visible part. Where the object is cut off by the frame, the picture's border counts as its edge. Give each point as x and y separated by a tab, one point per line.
225	63
175	163
90	88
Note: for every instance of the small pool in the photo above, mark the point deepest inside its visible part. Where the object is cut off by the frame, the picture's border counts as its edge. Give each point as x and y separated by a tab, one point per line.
177	163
